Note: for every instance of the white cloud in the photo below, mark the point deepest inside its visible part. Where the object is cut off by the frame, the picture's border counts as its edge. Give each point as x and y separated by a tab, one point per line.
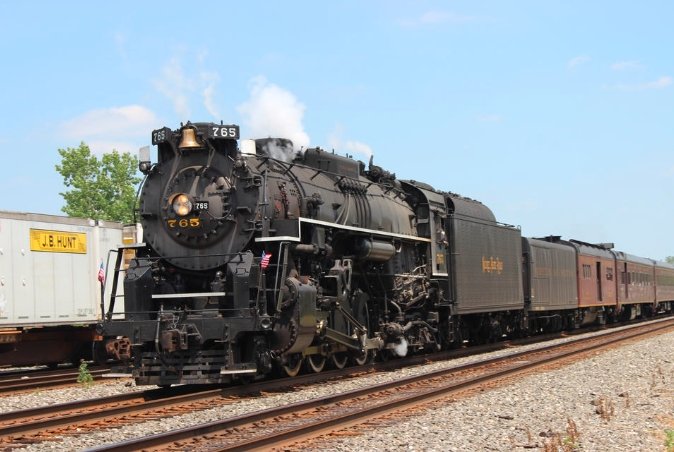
181	85
272	111
577	61
120	44
661	83
210	80
176	86
436	17
104	147
124	120
626	65
106	129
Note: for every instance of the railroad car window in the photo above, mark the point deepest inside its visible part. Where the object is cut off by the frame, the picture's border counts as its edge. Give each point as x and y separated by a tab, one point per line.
609	273
587	271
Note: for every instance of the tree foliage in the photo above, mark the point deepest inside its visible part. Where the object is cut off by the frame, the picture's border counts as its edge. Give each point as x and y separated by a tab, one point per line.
670	259
102	189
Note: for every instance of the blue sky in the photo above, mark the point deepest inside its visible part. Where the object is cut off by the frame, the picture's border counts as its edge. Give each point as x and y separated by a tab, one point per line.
558	115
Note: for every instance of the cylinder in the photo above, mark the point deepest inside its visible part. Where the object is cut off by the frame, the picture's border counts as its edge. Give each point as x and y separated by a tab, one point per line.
374	250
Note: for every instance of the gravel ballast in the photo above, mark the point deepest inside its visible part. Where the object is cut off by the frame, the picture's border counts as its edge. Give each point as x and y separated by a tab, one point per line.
622	399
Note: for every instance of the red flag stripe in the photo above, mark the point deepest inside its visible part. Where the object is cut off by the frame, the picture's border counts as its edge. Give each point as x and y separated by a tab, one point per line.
101	273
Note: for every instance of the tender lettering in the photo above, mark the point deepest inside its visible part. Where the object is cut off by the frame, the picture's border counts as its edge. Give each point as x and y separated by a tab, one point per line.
492	265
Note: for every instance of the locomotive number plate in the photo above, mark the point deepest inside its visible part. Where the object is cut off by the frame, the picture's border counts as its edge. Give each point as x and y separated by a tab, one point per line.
229	132
201	205
184	223
161	135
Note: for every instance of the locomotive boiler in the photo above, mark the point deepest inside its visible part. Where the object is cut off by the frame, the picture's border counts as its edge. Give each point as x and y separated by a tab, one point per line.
259	259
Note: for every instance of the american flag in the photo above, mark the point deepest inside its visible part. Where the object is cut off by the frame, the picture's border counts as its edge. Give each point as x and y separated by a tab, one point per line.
264	263
101	273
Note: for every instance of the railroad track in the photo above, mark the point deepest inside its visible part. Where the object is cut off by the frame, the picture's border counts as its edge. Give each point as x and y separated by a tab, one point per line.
285	426
18	382
11	382
29	426
87	415
51	420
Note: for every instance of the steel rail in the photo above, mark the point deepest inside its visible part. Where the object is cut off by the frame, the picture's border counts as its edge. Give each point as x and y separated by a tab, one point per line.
36	419
360	415
44	379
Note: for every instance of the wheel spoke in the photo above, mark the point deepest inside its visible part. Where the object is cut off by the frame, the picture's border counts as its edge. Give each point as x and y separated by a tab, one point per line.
339	360
315	363
362	358
293	365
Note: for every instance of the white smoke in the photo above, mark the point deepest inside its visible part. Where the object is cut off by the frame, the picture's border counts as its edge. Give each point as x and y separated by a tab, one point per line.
360	148
338	143
279	149
272	111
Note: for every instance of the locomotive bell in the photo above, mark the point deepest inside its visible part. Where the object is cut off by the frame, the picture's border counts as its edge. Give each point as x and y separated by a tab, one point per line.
189	139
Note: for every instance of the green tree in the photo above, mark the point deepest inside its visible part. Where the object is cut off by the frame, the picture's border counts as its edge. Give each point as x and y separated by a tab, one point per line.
670	259
102	189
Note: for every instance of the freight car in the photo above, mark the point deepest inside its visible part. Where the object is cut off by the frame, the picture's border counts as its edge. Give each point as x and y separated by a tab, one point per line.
50	291
254	264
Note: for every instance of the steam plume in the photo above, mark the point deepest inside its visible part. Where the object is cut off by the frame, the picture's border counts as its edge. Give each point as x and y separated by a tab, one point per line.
272	111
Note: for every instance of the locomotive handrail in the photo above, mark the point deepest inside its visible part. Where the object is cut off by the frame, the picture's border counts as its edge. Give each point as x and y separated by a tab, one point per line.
364	230
113	291
189	294
156	258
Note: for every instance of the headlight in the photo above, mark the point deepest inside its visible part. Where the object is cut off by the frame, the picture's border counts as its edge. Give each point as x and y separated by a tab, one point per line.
182	204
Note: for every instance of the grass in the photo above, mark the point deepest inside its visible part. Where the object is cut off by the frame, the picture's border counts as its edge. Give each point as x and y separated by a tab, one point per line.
567	443
669	440
84	377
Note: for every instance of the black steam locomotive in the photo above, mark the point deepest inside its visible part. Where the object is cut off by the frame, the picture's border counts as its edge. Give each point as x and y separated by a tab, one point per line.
254	264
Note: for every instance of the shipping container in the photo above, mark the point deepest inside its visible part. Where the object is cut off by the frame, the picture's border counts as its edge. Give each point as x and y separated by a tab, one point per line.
52	274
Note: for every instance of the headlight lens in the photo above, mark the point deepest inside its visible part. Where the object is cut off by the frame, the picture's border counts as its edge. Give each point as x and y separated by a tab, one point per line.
182	205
